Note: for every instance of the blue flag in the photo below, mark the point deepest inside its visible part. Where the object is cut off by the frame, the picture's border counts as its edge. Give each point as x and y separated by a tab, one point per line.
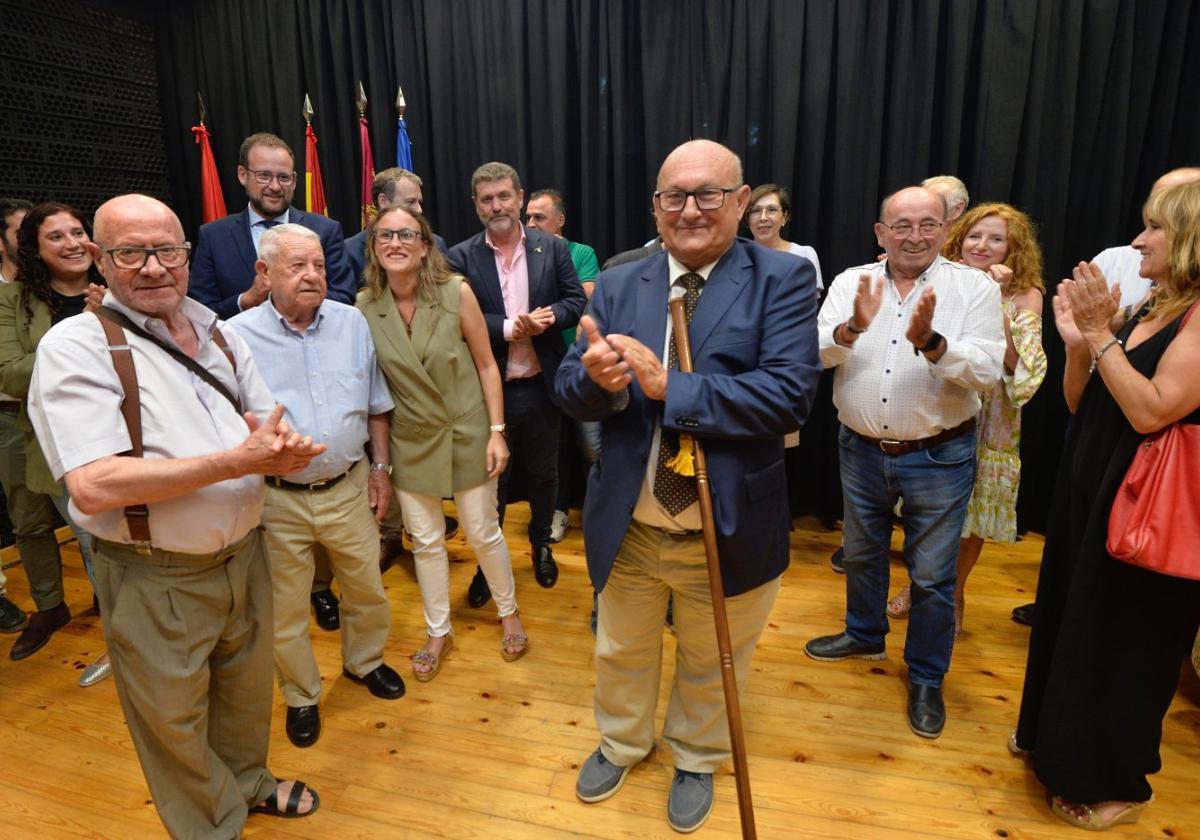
403	146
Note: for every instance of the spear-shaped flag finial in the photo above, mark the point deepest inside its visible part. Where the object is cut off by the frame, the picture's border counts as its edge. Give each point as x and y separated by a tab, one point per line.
401	105
361	99
200	107
307	110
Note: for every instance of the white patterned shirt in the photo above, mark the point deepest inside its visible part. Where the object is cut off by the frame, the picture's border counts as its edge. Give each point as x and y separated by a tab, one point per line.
881	389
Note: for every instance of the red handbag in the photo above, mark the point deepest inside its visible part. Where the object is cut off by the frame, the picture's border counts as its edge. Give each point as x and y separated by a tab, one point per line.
1155	518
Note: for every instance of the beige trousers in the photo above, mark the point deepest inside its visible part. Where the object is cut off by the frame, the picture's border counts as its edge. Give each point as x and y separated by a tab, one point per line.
190	641
340	520
650	566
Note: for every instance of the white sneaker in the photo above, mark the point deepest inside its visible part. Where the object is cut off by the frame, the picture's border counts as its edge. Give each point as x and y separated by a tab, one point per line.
559	525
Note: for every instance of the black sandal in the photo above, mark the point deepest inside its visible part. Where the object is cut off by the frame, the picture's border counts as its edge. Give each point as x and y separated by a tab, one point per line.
270	805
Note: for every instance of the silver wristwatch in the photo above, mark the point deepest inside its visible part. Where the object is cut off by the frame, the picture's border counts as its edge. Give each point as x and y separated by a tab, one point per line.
387	468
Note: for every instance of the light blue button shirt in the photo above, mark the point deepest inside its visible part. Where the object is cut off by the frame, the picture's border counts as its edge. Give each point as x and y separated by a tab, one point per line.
257	229
327	379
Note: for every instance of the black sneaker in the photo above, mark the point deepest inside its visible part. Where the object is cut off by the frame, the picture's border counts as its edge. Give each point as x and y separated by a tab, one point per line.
837	560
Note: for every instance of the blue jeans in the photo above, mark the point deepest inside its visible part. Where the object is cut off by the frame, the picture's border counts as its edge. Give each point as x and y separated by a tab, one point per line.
83	537
935	484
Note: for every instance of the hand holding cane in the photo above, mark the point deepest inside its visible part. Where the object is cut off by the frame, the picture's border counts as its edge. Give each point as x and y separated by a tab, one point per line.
733	711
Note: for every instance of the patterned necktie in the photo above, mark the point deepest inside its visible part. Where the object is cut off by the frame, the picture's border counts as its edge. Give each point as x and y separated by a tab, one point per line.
673	491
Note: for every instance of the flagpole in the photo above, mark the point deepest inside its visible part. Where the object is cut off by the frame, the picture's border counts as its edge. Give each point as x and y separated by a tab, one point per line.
314	183
368	163
212	202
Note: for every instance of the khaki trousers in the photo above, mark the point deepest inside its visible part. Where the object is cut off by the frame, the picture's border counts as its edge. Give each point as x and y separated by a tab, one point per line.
340	520
190	641
650	566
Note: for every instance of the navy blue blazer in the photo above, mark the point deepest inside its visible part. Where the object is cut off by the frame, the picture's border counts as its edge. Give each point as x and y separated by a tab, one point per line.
356	253
553	282
223	265
754	350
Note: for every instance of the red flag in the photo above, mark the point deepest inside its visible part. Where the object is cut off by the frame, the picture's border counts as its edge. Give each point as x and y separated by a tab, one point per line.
368	172
314	185
210	184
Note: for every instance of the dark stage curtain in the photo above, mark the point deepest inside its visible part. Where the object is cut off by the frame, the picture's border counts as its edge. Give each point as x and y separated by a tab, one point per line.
1068	109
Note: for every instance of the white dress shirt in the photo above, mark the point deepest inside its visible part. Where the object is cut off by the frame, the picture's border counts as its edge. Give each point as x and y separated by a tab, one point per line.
1121	265
75	408
881	389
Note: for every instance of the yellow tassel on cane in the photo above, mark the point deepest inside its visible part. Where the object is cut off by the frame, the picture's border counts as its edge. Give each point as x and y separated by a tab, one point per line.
684	461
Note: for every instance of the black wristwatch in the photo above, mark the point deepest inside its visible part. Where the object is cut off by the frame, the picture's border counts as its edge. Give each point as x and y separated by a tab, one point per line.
935	340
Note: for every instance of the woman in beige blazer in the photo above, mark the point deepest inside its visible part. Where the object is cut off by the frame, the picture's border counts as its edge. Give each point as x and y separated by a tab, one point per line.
448	424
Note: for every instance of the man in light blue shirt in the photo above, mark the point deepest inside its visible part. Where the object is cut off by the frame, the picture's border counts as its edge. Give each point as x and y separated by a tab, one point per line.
317	357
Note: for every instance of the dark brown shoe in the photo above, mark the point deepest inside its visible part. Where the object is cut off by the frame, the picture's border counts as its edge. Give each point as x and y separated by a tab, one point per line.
42	625
391	549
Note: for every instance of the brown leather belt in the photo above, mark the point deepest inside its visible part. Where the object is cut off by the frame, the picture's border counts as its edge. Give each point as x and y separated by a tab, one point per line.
903	447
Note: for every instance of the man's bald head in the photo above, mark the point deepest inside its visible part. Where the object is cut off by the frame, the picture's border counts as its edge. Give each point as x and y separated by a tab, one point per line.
141	222
116	214
1182	175
709	153
693	235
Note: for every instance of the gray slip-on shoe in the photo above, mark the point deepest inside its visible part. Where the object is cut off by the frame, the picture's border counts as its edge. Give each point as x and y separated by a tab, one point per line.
690	801
599	778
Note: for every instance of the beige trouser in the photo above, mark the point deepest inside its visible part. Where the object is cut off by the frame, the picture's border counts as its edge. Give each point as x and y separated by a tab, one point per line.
190	641
650	566
339	519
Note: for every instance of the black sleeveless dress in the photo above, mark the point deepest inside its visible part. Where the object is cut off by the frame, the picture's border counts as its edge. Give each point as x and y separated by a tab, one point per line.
1108	638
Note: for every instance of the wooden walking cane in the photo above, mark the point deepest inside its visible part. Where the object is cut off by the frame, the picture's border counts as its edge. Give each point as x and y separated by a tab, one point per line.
733	709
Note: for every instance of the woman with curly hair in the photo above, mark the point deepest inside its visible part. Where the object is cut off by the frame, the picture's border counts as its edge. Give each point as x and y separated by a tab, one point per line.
56	278
448	425
1001	241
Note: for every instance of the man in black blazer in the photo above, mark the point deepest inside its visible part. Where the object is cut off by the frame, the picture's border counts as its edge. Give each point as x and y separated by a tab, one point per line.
393	187
529	293
222	273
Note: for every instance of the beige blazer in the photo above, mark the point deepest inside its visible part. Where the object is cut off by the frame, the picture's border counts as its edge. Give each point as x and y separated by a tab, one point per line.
440	422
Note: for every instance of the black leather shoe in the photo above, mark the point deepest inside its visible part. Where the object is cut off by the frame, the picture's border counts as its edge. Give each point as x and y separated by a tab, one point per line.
325	608
839	647
451	527
926	711
1023	614
478	593
383	682
12	617
544	567
390	550
303	725
42	625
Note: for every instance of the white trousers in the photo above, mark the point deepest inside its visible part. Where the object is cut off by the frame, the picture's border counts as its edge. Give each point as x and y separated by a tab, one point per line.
426	525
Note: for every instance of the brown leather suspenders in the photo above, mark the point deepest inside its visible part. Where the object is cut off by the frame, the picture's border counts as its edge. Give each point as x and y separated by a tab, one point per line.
138	516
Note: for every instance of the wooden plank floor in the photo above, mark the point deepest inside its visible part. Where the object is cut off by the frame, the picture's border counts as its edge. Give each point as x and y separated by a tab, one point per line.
490	749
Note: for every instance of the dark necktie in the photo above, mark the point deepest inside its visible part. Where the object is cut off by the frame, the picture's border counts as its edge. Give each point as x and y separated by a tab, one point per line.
674	491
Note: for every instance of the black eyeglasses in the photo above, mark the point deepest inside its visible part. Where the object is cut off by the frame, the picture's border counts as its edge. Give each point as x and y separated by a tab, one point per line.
903	229
707	198
168	256
406	235
266	176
